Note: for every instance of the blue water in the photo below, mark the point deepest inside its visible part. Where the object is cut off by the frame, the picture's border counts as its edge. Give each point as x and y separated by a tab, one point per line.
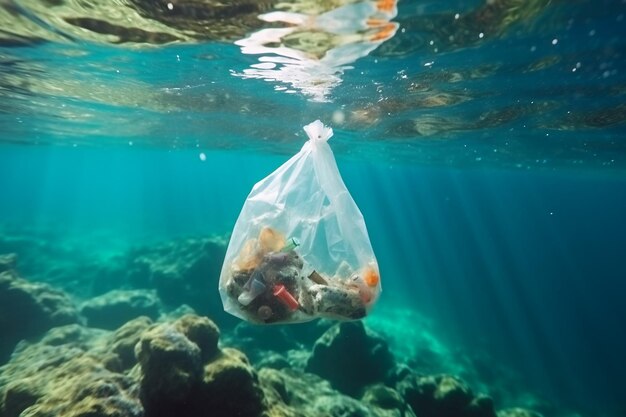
498	213
526	266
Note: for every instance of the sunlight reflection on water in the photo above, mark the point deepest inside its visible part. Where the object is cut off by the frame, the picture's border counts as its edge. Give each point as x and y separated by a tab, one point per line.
311	52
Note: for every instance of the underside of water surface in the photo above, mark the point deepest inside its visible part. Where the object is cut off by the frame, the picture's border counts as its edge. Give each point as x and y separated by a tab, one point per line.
507	83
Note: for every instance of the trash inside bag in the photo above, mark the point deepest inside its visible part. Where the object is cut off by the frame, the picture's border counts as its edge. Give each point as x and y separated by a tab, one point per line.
300	249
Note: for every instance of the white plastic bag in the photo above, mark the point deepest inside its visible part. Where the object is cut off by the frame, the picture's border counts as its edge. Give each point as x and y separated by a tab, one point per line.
300	248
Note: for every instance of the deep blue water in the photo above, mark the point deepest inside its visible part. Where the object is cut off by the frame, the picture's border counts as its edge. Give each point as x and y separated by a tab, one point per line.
488	160
527	266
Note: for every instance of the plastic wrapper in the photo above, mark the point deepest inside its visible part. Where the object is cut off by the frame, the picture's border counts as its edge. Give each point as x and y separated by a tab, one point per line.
300	249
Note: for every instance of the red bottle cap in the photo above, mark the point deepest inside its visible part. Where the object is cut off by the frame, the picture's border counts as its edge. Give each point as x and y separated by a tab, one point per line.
281	292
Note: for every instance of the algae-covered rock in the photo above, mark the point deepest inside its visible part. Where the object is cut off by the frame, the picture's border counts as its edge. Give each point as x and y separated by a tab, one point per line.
113	309
182	372
480	406
122	342
71	335
517	412
295	393
386	401
443	395
171	366
83	387
78	371
63	380
28	309
8	262
260	342
182	272
273	360
201	331
231	386
364	357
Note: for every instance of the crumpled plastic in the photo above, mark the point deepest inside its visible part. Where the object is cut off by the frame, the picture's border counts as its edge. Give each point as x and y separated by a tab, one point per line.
300	248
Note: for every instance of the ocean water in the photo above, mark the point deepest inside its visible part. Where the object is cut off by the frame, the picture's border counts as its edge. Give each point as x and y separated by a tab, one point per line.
484	143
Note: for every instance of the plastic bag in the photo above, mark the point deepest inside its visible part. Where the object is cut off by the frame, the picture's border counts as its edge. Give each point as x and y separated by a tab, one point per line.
300	249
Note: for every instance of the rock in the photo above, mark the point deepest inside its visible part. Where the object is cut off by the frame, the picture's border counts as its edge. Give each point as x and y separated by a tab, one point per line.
62	379
480	406
294	359
182	271
113	309
178	269
18	396
83	387
165	369
398	374
386	401
256	341
231	386
123	341
364	357
28	309
73	335
8	262
201	331
178	312
443	395
259	341
517	412
171	368
182	372
185	271
79	268
274	361
295	393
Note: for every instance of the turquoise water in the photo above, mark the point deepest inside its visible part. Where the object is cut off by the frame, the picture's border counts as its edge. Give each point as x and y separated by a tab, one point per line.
488	160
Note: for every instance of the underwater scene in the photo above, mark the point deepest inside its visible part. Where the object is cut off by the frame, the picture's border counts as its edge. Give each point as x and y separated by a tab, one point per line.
299	208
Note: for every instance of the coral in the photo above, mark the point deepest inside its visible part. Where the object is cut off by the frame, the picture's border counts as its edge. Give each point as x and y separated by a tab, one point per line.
443	395
28	309
113	309
364	357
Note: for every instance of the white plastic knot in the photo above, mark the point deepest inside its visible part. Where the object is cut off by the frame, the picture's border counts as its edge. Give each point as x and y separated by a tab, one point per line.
318	132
